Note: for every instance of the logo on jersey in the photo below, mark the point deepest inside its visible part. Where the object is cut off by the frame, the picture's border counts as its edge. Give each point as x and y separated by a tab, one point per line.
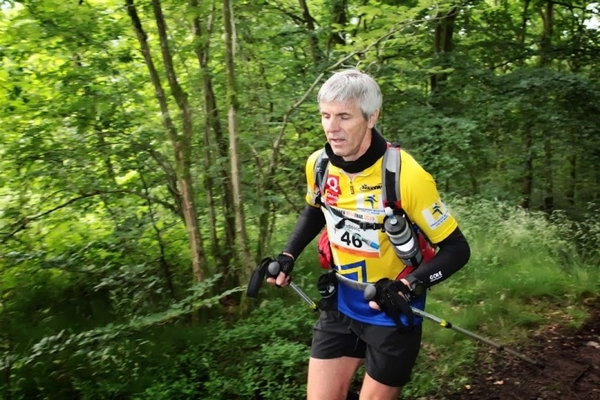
436	214
332	187
370	204
436	276
367	188
371	200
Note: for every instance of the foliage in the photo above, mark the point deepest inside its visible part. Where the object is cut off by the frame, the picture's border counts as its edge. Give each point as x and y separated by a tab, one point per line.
498	100
523	270
264	356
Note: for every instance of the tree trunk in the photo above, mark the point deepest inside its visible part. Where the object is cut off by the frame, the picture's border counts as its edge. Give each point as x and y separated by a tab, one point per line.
313	41
527	177
596	159
442	44
548	173
338	19
527	141
244	255
546	61
6	348
164	264
201	49
222	254
523	32
571	186
181	143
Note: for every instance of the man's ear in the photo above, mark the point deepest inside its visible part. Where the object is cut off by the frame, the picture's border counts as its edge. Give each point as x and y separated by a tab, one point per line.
373	119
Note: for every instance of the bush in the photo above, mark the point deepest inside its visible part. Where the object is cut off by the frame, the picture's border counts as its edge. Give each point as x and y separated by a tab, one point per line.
263	356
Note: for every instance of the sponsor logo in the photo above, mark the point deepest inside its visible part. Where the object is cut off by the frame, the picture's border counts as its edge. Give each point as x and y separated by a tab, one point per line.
434	277
367	188
332	187
437	209
369	204
333	184
362	216
436	214
371	200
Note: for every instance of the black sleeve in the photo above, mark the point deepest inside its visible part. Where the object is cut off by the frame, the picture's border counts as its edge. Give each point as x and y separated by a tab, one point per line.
453	254
310	222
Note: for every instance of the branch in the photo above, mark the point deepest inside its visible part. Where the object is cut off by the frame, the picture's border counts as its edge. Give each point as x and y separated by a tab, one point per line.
24	222
571	6
163	203
294	17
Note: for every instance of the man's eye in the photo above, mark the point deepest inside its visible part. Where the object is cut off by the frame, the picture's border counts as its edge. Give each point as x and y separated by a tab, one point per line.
345	117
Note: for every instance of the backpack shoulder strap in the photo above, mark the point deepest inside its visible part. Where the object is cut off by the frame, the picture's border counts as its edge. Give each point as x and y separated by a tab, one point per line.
390	180
392	165
320	172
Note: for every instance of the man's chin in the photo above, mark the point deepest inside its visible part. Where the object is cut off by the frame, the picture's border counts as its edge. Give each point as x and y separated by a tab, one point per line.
339	151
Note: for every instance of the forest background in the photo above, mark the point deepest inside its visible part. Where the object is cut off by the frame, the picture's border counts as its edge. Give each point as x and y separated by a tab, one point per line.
152	153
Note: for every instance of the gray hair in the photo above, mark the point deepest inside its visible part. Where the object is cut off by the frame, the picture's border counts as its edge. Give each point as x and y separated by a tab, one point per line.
349	86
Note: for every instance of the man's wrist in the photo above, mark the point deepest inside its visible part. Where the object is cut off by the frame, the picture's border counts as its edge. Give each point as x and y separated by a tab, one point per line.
415	285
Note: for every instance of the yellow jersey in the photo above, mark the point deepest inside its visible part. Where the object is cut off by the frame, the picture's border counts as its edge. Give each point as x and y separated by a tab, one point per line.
355	200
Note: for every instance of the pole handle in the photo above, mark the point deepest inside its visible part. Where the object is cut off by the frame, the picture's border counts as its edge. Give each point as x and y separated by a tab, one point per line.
273	269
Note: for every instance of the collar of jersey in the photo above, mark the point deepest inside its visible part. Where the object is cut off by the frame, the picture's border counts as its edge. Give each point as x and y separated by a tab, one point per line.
374	153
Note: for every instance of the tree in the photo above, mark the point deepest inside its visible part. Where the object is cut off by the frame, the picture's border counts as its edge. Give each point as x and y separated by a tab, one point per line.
212	126
181	142
244	255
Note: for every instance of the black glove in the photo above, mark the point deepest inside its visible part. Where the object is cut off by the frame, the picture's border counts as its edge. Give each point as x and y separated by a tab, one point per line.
392	303
286	263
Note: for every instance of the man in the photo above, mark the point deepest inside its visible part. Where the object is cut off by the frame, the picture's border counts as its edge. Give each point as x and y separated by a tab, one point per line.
355	330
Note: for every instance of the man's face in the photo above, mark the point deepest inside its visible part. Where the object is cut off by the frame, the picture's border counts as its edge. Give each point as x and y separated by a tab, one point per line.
347	131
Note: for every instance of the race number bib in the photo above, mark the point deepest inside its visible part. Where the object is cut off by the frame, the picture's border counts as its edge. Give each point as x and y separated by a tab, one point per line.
348	237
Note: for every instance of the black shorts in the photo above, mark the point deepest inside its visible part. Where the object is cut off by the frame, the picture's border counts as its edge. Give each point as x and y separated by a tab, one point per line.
390	354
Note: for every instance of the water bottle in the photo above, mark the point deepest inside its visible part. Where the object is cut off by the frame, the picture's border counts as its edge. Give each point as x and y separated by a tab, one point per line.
403	238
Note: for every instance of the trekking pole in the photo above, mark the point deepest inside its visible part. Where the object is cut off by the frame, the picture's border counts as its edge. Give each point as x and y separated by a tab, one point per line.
304	296
448	325
370	294
274	268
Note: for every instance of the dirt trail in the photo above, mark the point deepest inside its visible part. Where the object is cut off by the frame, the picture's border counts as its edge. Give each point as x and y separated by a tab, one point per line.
572	368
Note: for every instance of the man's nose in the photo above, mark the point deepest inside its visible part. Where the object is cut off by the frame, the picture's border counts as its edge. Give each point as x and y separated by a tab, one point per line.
331	125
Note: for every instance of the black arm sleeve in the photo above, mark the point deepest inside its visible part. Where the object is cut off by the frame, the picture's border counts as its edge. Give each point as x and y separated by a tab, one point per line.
453	254
310	222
